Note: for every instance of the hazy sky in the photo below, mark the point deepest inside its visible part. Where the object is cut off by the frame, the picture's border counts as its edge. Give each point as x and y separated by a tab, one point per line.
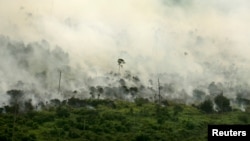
197	39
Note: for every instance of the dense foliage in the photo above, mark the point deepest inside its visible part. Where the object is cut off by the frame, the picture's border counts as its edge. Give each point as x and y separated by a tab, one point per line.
93	119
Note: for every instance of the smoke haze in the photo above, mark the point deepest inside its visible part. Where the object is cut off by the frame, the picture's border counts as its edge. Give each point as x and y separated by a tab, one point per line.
188	44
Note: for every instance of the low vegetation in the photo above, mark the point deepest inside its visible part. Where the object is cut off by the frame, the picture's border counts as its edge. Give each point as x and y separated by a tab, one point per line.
109	120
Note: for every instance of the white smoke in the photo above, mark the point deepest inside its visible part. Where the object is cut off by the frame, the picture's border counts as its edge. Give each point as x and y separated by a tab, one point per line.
196	42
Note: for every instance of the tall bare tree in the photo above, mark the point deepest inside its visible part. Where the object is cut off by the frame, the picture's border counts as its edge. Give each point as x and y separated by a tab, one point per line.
15	100
59	86
121	62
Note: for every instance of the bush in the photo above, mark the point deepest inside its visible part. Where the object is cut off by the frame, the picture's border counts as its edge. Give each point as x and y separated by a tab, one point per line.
141	101
243	118
44	117
30	137
32	124
190	125
73	134
161	111
142	137
177	109
62	112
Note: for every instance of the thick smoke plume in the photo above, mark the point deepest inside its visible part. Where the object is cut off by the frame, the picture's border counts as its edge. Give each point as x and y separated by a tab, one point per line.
191	46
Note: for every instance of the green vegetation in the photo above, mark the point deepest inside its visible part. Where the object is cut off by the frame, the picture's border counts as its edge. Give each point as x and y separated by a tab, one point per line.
109	120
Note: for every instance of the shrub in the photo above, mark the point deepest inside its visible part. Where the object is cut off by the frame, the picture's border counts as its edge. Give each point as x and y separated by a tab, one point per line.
243	118
62	112
141	101
177	109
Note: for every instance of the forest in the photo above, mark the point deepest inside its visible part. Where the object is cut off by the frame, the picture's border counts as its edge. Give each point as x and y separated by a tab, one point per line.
104	119
134	70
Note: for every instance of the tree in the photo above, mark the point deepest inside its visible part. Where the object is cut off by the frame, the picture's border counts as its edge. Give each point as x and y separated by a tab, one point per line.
92	92
206	106
222	103
15	99
15	96
55	102
120	63
28	105
198	94
133	91
214	89
100	91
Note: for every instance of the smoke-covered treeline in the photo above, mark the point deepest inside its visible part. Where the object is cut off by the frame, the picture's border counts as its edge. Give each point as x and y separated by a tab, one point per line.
34	69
